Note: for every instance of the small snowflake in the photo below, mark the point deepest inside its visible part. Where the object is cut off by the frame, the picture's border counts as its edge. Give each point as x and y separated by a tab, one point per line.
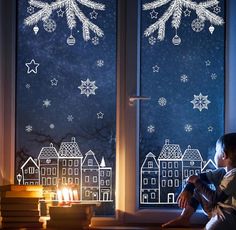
100	115
28	128
95	40
51	126
162	101
27	86
188	128
210	129
100	63
88	87
208	63
49	25
152	40
197	25
30	9
151	128
70	118
213	76
200	102
46	103
153	14
155	69
217	9
184	78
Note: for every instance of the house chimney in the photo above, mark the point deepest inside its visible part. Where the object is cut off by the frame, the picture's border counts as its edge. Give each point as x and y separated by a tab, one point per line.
51	144
73	139
167	141
189	146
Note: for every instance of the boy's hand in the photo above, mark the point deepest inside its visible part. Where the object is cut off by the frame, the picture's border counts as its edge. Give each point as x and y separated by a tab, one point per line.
184	198
192	179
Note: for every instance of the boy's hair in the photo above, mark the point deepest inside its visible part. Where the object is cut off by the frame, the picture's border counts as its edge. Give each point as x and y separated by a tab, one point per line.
228	145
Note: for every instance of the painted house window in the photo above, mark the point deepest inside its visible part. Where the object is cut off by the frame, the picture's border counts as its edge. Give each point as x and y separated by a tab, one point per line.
31	170
95	179
43	171
145	181
102	173
153	195
102	182
65	72
153	181
150	164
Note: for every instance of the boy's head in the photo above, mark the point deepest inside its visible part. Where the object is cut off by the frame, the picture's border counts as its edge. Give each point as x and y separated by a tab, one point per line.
226	150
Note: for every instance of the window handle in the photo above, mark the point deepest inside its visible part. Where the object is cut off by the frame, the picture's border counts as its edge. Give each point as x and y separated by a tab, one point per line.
132	99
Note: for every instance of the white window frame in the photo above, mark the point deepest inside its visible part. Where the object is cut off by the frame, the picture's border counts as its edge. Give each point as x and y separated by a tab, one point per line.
126	144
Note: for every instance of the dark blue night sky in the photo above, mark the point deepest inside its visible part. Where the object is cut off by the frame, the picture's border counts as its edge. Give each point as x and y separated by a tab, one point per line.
199	56
59	74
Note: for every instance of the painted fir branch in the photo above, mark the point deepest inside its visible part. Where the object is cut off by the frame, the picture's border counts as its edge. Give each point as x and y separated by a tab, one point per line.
175	10
72	12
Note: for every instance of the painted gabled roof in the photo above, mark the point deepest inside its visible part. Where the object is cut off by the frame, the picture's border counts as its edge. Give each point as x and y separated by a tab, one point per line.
48	152
192	155
69	150
28	160
170	151
150	157
90	155
210	165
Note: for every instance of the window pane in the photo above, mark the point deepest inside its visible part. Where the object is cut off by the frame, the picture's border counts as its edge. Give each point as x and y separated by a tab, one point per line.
182	70
66	96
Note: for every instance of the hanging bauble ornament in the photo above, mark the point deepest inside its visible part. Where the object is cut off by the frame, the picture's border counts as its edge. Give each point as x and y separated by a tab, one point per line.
197	25
176	40
70	40
211	29
36	29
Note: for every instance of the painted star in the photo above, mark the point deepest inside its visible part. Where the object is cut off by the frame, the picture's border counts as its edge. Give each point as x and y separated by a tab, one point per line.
200	102
93	14
153	14
60	13
54	81
32	66
155	69
100	115
187	13
208	63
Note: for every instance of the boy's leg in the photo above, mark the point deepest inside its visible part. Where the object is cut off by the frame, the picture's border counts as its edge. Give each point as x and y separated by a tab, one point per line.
184	219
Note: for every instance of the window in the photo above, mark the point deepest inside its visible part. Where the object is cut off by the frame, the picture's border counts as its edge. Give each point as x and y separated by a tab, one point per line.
70	163
164	173
170	173
54	171
107	182
170	165
70	171
76	163
145	181
102	182
31	170
63	171
230	99
175	164
153	181
86	178
95	179
76	171
153	195
176	173
163	165
64	163
108	173
163	183
90	162
150	164
102	173
49	171
43	171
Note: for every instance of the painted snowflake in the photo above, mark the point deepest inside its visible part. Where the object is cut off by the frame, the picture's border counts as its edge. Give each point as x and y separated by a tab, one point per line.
213	76
51	126
151	128
100	115
46	103
152	40
217	9
200	102
88	87
100	63
27	86
28	128
208	63
188	128
184	78
155	69
210	129
162	101
49	25
197	25
70	118
95	41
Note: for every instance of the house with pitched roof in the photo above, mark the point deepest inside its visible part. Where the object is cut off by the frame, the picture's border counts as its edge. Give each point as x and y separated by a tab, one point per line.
149	176
105	182
192	163
30	172
170	176
48	164
90	177
70	161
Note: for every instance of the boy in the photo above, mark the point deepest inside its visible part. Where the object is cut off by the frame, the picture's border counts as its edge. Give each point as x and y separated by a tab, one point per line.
220	205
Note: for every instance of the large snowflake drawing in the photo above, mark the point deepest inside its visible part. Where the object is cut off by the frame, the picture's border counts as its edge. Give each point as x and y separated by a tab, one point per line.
200	102
72	11
88	87
175	9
